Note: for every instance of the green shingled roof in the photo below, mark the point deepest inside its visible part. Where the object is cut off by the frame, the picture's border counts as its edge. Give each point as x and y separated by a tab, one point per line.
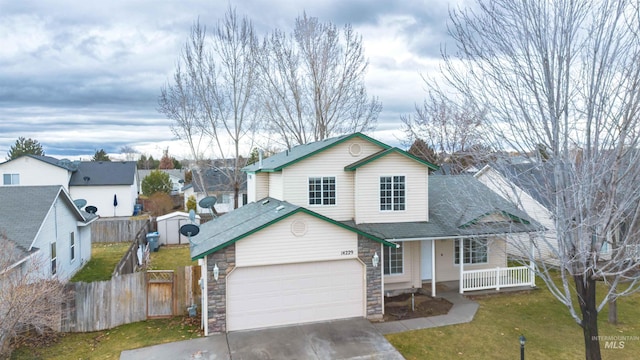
289	157
253	217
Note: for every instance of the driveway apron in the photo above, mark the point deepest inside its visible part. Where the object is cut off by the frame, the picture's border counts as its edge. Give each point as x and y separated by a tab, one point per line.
341	339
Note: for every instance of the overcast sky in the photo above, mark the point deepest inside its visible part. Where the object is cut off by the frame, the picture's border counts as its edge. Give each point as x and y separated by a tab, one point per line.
79	76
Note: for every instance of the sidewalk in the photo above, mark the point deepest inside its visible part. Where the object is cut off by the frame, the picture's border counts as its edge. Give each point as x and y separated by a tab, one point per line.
463	311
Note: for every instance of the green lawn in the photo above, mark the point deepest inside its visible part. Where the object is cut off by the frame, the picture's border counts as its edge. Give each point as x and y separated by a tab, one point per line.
107	345
493	334
104	258
171	257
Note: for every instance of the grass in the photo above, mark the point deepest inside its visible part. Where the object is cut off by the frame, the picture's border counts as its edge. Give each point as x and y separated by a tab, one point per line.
107	345
171	257
104	258
493	334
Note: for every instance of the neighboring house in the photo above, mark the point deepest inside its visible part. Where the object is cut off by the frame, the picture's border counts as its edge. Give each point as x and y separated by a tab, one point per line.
50	233
521	183
333	226
175	175
218	183
100	183
37	170
110	186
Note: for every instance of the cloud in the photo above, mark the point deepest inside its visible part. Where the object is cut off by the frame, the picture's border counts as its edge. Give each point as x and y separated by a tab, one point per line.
80	76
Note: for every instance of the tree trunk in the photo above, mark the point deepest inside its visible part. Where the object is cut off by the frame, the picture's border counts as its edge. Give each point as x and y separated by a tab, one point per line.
586	291
613	312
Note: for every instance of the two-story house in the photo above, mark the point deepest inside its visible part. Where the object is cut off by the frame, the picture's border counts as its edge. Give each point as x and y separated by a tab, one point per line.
111	187
332	226
48	235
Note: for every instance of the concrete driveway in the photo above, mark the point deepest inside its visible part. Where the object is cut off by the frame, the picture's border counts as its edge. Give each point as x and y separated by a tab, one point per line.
342	339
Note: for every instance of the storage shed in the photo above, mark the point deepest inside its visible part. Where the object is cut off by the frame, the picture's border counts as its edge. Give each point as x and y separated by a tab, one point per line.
169	227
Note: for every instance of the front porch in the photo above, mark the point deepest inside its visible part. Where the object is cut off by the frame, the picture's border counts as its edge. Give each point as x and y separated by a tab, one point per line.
483	282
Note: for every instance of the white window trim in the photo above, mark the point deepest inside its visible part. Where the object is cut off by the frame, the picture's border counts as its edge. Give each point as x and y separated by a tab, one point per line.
335	179
455	241
72	247
54	270
11	175
406	187
387	267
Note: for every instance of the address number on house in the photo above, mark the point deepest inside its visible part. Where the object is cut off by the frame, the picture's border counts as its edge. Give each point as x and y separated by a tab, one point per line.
346	252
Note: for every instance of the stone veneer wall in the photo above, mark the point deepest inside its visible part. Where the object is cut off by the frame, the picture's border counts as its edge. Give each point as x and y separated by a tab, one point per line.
217	290
366	249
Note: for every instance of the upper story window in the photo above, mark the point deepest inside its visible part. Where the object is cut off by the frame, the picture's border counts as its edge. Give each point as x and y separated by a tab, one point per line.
392	193
474	251
393	260
322	190
11	179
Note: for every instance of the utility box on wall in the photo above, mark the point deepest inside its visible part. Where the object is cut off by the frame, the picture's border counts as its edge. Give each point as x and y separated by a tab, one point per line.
169	227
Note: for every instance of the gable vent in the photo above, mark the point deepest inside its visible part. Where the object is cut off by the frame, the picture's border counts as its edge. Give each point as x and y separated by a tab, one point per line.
298	228
355	149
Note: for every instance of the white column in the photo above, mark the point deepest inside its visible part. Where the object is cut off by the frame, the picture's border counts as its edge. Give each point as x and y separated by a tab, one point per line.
532	254
205	294
461	263
433	268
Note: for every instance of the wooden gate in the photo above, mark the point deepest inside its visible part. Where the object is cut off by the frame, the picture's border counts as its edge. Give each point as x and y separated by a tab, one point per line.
160	293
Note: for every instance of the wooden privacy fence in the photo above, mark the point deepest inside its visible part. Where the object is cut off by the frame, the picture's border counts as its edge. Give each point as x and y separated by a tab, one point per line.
115	229
131	262
129	298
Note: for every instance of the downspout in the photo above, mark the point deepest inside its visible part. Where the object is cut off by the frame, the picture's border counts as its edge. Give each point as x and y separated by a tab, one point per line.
382	275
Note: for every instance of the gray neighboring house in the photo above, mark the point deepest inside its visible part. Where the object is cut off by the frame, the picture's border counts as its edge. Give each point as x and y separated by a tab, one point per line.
217	183
48	230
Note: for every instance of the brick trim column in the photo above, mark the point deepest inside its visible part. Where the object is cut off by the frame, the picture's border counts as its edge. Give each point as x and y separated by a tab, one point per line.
217	290
366	249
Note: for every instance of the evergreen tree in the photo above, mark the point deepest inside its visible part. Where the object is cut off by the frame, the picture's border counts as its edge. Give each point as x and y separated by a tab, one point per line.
25	146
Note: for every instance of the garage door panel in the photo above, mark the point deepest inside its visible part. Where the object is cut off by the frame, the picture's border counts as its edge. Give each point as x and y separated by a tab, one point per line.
294	293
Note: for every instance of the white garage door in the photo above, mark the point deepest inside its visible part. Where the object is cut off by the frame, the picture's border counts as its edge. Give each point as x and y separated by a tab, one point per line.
264	296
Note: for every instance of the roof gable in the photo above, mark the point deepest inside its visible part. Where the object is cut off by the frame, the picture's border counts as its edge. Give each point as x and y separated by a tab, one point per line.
61	163
99	173
24	209
382	153
298	153
251	218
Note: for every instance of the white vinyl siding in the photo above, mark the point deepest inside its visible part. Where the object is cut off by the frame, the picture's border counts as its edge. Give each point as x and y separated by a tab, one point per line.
367	187
410	276
276	185
102	198
277	244
277	295
35	172
331	162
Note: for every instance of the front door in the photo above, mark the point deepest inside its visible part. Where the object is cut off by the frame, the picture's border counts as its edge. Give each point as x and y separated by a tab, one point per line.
425	259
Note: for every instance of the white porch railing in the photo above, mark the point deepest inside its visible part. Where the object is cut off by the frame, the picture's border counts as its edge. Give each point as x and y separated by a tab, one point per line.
497	278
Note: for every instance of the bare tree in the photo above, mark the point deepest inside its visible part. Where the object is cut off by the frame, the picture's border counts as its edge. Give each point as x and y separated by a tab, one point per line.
26	302
450	130
565	75
214	95
130	154
313	83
